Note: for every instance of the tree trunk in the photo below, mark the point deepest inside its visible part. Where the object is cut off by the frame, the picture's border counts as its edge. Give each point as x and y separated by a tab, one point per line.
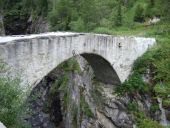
2	30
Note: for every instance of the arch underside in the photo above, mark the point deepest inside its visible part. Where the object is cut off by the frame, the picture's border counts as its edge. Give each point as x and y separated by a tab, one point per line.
103	70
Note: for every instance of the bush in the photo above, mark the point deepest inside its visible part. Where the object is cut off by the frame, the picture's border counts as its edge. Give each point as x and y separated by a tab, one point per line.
132	106
162	90
154	107
166	103
142	121
139	13
70	65
133	85
11	99
148	123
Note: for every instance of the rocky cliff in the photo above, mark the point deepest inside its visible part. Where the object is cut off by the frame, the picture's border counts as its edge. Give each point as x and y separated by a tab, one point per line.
71	97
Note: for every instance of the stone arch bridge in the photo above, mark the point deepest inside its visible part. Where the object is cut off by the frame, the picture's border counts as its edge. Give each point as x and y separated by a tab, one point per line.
32	57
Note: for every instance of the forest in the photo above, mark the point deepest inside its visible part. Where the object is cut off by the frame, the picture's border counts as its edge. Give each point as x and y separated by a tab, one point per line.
80	15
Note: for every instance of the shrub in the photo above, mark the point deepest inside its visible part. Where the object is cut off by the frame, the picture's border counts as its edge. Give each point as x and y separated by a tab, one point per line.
139	13
142	121
70	65
162	90
85	109
132	106
148	123
134	84
154	107
166	103
11	103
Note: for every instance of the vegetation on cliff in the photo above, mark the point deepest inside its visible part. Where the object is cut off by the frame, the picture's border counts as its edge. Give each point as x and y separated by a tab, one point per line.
11	101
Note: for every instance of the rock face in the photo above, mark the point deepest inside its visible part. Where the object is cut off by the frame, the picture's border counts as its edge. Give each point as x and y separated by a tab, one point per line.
70	97
40	25
20	23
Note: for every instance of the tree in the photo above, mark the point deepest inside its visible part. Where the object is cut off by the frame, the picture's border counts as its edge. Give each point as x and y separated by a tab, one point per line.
78	26
60	17
118	17
139	16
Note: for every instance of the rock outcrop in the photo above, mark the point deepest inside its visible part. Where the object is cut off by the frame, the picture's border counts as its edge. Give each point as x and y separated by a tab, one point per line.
72	98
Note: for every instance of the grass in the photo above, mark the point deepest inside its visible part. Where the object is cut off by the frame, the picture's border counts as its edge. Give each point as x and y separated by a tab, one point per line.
70	65
85	108
137	29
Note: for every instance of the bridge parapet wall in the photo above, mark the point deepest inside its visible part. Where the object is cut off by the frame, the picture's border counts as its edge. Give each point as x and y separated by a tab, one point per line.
33	57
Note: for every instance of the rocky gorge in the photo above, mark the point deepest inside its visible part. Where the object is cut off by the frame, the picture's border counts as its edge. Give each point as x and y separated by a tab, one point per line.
71	97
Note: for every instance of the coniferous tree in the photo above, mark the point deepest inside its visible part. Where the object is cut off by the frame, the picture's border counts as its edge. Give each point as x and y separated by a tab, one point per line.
118	18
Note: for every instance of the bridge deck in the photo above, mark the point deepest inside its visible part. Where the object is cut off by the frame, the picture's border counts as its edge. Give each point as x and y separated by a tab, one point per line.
20	37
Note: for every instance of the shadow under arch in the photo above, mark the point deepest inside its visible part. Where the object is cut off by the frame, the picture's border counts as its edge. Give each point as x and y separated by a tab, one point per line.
103	70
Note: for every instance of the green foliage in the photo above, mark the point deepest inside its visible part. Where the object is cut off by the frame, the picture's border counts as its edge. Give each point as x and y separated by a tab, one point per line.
74	115
84	15
106	23
118	17
154	107
78	26
102	30
157	59
60	85
162	90
132	106
166	103
11	105
139	13
133	85
59	16
71	65
141	120
40	7
148	123
11	100
85	109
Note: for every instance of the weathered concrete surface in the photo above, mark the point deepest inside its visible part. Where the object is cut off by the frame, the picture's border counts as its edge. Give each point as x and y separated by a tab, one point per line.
2	125
34	56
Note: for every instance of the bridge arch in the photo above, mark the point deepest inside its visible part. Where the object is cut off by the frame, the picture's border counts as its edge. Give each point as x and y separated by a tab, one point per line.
44	90
103	70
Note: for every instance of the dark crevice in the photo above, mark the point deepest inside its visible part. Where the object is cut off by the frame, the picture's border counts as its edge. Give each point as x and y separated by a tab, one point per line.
45	108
